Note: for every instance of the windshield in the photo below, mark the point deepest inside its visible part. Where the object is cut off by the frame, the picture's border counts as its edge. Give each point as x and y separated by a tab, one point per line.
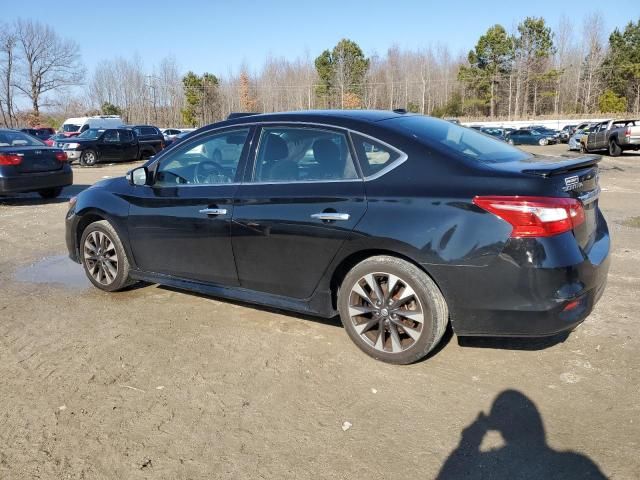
92	133
454	139
70	127
9	138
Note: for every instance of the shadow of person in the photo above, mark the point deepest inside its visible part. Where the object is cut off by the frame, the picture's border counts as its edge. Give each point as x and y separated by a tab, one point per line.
525	454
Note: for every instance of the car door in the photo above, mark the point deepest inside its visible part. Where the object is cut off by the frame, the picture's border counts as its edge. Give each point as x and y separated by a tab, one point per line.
300	202
129	145
180	225
109	146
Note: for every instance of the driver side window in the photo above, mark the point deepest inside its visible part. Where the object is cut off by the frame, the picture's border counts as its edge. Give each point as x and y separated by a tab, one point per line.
209	160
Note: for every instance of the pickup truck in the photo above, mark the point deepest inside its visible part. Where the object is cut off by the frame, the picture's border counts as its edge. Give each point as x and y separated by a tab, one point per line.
616	136
109	145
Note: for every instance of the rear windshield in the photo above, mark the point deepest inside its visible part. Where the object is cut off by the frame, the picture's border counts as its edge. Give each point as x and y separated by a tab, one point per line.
9	138
453	139
92	133
70	127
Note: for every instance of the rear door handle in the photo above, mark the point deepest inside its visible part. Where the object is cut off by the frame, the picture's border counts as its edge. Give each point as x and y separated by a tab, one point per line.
214	211
330	216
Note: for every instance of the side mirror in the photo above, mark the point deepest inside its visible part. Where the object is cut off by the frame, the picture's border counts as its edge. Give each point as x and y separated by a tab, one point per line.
138	176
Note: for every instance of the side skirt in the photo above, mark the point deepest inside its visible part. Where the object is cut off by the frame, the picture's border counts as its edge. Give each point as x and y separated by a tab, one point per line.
232	293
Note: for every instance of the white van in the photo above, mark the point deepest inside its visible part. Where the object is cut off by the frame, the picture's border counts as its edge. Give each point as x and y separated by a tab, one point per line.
75	126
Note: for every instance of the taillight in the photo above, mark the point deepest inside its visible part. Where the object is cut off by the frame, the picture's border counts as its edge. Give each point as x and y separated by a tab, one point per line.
10	159
61	156
627	132
535	216
161	145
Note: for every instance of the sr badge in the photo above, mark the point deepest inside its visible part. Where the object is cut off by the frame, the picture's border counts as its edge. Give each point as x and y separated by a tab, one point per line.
572	183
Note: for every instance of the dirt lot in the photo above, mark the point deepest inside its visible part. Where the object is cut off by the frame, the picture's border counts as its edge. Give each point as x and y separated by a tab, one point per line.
155	383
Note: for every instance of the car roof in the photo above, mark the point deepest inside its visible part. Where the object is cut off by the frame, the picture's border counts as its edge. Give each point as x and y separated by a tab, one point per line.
338	117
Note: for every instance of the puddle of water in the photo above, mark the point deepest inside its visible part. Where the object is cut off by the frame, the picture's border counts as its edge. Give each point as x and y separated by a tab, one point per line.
57	269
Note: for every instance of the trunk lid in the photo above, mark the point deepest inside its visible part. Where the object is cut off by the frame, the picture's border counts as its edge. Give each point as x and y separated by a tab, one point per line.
38	159
565	176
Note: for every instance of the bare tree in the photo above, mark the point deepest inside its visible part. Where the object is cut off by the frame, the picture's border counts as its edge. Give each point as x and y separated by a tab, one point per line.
7	66
47	62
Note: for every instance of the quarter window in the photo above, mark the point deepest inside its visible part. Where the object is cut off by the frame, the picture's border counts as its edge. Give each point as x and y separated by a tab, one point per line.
301	154
209	160
375	155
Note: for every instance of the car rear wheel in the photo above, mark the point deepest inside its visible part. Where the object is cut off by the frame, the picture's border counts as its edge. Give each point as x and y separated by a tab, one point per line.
614	149
50	192
392	310
88	158
103	257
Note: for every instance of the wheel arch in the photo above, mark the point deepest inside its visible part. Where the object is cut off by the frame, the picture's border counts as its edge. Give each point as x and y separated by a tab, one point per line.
89	216
351	260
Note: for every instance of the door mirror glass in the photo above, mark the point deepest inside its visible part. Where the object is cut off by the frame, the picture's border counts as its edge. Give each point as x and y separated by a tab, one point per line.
138	176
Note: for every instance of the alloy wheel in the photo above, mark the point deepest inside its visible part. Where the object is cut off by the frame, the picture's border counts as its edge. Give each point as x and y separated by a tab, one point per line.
101	258
386	312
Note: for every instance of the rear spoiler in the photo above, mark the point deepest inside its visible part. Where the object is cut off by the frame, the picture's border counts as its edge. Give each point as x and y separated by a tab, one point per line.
563	165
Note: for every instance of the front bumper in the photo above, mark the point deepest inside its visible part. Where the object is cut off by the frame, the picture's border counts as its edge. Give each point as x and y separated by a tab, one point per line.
33	182
73	154
540	288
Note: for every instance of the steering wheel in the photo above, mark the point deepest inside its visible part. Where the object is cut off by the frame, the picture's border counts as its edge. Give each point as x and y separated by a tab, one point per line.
205	169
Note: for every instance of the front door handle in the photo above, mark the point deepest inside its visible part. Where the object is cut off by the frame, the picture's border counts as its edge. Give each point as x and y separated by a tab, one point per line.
214	211
331	216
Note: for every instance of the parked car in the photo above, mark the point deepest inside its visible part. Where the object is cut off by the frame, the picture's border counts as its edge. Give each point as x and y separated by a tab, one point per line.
170	133
149	135
615	136
578	135
435	223
111	145
494	132
28	165
566	133
52	141
42	133
530	137
75	126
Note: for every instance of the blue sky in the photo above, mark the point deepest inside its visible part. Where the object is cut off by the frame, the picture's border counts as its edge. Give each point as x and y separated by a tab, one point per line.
218	36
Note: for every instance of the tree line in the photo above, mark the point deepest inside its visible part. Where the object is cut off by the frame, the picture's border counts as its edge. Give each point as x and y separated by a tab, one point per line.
534	70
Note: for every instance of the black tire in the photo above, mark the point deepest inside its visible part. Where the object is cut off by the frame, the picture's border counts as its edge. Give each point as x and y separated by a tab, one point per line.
89	158
111	283
614	148
426	299
543	142
50	192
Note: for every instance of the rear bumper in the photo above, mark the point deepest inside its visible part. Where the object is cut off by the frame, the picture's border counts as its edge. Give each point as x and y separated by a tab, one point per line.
32	182
543	289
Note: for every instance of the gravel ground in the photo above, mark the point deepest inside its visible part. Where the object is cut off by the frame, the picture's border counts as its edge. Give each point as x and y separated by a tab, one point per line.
156	383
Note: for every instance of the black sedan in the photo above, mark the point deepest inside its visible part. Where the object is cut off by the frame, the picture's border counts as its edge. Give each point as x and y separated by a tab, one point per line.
530	137
399	223
28	165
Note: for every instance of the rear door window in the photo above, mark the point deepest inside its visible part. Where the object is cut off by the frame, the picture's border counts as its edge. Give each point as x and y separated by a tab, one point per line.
289	154
374	155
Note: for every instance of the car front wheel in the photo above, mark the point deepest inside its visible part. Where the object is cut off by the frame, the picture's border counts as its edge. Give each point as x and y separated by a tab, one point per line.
103	257
392	310
88	158
543	141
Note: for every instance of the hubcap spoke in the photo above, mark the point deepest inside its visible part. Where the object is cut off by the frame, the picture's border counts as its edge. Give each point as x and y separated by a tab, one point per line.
360	291
373	285
355	310
414	315
396	344
412	332
365	327
407	294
